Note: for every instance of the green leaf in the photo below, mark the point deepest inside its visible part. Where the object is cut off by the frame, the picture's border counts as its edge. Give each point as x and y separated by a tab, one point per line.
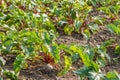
89	73
83	72
95	76
10	74
94	3
117	49
68	29
94	66
94	27
19	63
1	78
85	58
86	34
101	61
108	42
75	57
112	76
46	38
9	47
98	20
57	11
2	61
113	28
102	50
25	50
61	22
65	48
46	48
55	52
67	66
77	25
90	51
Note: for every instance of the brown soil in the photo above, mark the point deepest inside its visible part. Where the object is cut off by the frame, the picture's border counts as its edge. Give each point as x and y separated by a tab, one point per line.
38	70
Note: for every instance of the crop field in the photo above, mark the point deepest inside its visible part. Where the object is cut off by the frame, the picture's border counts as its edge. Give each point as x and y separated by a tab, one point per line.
59	39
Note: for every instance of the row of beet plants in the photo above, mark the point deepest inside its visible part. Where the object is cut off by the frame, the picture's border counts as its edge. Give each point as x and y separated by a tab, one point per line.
28	29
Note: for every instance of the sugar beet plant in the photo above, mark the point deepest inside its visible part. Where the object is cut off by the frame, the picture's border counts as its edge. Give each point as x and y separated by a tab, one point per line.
93	59
28	29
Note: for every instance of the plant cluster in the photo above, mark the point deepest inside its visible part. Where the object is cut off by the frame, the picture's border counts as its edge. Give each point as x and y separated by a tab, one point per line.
28	29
